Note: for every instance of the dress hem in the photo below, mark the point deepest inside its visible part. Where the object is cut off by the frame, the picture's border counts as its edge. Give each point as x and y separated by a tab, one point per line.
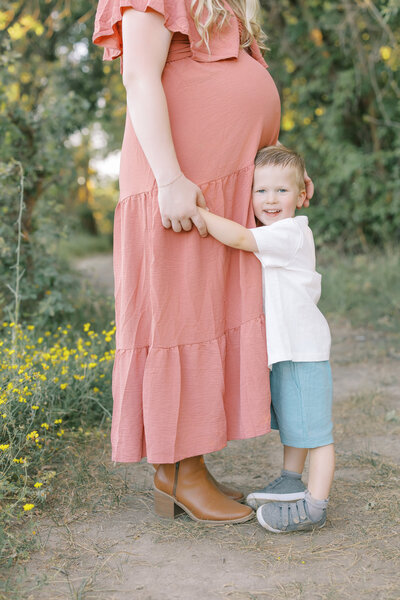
159	460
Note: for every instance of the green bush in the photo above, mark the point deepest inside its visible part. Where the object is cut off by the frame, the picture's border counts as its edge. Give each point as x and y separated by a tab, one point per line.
337	67
52	384
363	289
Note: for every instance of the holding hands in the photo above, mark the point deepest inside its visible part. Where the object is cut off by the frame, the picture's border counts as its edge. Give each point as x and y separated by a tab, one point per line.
178	202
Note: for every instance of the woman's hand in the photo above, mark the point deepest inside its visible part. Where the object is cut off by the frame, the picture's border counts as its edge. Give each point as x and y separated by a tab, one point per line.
178	204
309	189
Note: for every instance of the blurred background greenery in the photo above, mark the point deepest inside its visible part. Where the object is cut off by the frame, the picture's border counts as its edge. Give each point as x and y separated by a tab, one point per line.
337	68
62	110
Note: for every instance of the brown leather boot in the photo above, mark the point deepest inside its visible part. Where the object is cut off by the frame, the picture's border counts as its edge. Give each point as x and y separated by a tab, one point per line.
186	486
228	491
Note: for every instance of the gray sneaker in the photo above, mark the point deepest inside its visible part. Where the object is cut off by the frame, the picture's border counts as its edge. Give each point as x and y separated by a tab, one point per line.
288	486
283	517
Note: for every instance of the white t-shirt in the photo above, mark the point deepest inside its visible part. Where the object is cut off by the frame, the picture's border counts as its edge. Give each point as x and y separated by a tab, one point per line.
296	329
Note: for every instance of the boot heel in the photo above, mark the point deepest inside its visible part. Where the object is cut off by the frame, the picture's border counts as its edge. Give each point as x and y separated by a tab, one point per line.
165	506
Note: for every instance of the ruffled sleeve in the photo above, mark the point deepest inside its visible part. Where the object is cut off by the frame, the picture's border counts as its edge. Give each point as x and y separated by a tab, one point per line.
108	21
224	43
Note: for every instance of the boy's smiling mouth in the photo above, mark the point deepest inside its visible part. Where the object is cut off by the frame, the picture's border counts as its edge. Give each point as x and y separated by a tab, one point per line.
272	211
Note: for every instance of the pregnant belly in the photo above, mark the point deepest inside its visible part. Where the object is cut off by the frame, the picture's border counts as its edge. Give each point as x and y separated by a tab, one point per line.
221	113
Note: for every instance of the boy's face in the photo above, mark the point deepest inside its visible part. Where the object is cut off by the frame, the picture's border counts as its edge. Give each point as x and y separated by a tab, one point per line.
276	193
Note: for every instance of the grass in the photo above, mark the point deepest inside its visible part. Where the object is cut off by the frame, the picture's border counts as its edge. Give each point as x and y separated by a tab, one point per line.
49	381
83	244
364	288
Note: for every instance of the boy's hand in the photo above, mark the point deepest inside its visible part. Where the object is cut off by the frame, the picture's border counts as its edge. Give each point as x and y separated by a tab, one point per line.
309	189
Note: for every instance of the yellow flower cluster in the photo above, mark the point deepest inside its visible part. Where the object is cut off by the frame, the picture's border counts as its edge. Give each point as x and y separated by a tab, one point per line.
43	378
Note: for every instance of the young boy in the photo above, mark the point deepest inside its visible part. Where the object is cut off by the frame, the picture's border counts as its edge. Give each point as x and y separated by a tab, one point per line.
298	341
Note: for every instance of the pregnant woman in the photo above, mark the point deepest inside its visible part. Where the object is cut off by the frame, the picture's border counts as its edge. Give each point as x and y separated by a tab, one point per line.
190	369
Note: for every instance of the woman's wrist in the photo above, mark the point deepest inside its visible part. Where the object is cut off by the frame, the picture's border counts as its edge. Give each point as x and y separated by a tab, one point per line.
160	184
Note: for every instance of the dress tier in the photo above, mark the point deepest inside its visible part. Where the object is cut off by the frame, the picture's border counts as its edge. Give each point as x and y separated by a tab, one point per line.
190	370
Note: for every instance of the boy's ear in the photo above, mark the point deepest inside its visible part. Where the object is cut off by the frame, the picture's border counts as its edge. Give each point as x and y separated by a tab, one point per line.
301	198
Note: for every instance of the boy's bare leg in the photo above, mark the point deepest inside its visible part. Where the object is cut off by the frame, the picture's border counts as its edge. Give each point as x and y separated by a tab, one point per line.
321	470
294	458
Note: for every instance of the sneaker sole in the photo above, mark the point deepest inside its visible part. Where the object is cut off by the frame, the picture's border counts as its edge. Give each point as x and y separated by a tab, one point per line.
257	499
267	526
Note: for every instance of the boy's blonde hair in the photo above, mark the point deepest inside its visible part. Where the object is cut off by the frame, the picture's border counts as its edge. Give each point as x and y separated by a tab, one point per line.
280	156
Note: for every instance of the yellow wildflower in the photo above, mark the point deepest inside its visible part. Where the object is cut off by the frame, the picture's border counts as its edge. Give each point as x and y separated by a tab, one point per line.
288	121
45	425
58	421
385	52
28	506
63	385
4	446
35	407
38	484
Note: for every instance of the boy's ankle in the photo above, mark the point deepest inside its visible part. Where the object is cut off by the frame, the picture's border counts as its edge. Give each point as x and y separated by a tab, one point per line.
292	474
315	507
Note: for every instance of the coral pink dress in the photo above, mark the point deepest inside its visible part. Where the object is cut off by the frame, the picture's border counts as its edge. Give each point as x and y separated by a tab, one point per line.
190	369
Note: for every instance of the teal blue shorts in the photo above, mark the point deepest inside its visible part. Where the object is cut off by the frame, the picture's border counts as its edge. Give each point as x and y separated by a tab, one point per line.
301	409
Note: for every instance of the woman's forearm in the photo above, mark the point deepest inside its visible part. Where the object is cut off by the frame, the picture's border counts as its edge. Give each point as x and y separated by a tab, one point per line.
148	110
229	232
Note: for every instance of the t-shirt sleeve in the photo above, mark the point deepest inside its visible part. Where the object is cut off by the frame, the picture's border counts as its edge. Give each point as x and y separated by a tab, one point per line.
108	21
277	243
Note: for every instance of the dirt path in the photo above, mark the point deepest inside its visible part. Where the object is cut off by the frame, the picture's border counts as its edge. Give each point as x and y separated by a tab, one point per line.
98	268
114	548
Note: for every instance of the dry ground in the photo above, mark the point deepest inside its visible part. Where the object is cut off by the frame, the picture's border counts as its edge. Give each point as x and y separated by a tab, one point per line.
101	540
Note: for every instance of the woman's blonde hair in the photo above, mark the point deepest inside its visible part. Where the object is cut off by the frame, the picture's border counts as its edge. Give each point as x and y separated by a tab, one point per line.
248	12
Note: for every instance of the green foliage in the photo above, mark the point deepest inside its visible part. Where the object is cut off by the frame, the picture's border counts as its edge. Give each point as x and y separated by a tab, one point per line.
363	289
337	66
52	92
52	384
